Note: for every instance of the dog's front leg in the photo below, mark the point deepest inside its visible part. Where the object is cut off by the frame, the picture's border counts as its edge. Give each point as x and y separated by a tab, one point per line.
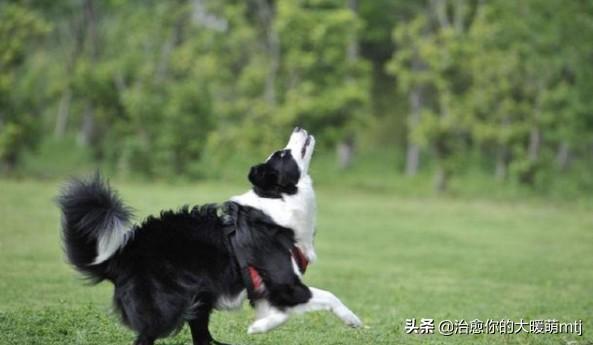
325	300
269	317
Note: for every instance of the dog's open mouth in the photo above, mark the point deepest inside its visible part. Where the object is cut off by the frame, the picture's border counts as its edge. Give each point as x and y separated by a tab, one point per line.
304	149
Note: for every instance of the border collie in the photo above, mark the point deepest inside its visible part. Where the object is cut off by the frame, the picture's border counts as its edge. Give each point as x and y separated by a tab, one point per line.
178	267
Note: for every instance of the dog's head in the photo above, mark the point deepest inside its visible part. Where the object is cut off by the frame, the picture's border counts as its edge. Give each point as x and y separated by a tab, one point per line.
282	171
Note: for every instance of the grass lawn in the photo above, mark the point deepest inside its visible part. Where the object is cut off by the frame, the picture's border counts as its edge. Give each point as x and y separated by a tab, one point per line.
389	258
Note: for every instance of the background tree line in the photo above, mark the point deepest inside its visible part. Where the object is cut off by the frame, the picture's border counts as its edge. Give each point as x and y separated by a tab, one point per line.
162	88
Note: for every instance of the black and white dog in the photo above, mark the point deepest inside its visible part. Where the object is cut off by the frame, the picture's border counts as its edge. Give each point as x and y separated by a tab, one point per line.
178	267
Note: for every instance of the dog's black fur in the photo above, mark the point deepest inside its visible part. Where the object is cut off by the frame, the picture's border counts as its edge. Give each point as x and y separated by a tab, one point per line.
279	175
172	269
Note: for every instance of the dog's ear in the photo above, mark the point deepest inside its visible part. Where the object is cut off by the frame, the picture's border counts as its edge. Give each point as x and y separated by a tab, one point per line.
263	176
288	178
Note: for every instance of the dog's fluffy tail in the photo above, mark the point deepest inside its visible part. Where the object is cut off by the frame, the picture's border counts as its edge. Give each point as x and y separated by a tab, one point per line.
95	225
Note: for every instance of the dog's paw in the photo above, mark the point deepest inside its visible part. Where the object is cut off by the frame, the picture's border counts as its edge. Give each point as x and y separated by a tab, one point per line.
349	318
267	323
353	321
258	326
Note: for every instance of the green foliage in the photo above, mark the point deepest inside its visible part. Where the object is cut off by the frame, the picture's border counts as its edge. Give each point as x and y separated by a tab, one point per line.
40	163
181	88
19	27
329	94
494	80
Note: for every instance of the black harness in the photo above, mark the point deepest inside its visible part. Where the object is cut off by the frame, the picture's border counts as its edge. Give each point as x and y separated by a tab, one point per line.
229	215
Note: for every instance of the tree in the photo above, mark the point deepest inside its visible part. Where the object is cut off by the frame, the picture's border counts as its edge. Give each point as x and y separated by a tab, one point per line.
20	26
429	65
324	81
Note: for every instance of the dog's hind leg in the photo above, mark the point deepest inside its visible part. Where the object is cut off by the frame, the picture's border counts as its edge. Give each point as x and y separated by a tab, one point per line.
144	340
199	328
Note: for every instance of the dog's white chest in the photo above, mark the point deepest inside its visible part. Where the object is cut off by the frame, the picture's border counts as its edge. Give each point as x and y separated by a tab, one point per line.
296	212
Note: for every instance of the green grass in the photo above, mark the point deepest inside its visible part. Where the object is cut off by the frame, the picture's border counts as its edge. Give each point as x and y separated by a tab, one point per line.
387	257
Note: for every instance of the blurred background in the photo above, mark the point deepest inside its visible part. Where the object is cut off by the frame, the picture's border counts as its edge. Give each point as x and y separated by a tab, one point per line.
459	96
452	169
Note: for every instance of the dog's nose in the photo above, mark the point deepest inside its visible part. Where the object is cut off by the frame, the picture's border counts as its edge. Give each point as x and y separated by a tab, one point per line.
297	129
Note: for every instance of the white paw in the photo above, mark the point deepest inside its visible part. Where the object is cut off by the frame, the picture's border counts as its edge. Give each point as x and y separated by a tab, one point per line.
258	326
349	318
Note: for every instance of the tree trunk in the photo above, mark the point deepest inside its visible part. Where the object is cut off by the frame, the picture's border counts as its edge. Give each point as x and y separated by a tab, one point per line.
502	163
413	150
439	8
266	14
459	15
63	114
274	54
345	148
8	163
533	151
9	158
443	154
352	53
415	100
441	178
534	144
90	19
345	152
79	32
412	159
563	156
169	45
87	130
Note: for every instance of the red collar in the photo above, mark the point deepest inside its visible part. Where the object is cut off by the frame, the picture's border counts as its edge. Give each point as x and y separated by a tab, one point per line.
298	256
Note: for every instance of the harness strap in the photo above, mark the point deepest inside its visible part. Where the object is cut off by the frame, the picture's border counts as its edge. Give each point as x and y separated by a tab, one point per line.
251	278
229	216
300	259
